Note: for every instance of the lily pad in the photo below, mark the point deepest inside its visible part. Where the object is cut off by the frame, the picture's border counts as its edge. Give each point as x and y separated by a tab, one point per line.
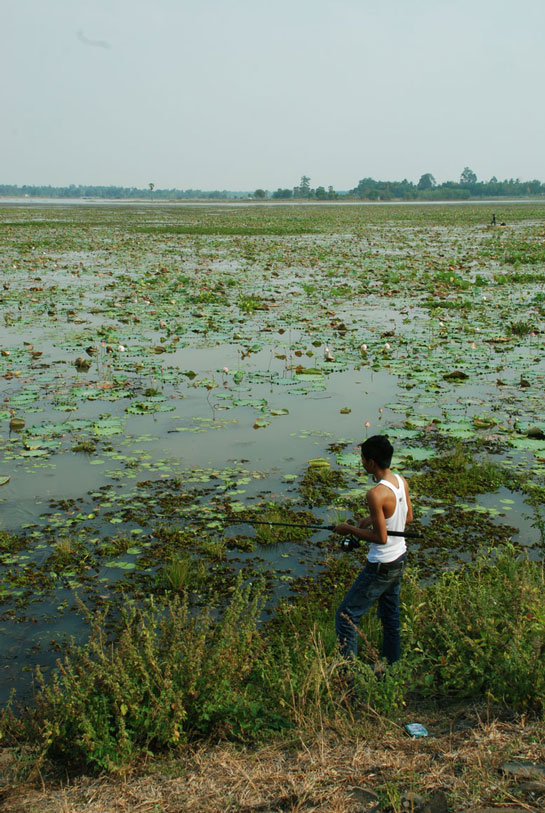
149	407
528	444
483	422
17	424
349	459
416	453
108	426
261	424
456	375
308	374
120	565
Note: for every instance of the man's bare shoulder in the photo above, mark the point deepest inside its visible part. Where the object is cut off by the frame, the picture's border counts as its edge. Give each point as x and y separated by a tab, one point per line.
378	494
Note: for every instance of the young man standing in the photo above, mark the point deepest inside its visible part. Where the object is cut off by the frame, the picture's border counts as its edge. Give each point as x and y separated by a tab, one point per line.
390	509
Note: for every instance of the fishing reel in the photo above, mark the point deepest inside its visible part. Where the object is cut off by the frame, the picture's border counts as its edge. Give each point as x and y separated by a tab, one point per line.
349	543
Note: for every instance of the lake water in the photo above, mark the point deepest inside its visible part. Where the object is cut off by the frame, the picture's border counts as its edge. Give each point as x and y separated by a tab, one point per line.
219	364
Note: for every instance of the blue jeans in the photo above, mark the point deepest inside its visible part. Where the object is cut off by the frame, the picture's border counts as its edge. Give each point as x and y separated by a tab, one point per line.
370	586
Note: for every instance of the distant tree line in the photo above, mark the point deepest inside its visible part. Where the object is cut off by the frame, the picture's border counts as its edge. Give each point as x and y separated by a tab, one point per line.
304	191
427	189
114	192
468	186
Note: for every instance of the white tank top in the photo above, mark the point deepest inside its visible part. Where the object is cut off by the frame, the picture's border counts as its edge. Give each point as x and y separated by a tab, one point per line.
395	545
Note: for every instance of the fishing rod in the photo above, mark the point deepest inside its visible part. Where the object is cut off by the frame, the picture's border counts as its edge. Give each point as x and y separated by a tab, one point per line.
408	535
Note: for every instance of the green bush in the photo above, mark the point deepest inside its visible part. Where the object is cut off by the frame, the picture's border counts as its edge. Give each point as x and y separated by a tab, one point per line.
480	631
168	675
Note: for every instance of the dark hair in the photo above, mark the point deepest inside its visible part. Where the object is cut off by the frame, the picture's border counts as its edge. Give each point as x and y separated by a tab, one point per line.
379	449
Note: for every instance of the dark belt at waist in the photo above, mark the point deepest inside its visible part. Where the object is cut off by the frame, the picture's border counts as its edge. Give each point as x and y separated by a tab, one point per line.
384	567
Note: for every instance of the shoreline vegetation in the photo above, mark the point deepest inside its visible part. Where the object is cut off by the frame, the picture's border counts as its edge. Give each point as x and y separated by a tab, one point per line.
170	683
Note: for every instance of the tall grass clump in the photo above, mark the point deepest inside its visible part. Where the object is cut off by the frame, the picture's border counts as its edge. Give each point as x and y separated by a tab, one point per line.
182	573
480	631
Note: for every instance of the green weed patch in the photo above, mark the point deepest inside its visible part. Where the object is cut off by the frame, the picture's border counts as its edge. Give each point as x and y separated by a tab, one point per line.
457	474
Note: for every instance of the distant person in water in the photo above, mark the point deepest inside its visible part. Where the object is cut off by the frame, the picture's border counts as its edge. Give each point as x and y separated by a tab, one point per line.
390	509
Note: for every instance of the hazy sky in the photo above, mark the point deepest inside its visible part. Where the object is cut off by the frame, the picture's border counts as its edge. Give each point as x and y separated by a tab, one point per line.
239	94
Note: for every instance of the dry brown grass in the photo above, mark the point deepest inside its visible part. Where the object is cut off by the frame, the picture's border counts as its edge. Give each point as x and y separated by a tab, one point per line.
462	756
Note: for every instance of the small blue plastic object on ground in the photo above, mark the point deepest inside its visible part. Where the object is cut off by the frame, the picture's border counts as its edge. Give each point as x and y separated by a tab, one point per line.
416	730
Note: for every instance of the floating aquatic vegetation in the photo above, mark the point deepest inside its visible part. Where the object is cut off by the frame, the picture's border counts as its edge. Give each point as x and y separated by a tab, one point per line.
320	485
457	474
